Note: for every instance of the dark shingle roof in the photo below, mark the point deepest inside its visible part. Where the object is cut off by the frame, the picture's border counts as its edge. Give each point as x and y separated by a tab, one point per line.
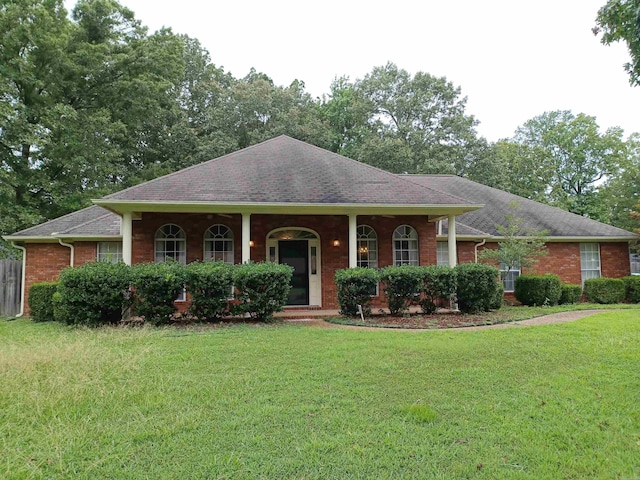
284	170
92	221
537	216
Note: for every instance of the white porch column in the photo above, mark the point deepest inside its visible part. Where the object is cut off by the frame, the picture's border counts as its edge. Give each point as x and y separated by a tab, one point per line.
126	228
451	240
246	237
353	241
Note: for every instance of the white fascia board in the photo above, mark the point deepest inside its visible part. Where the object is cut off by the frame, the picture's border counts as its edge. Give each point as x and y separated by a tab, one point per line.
121	206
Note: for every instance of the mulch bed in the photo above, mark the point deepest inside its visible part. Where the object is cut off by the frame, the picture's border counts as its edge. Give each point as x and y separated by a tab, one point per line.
444	319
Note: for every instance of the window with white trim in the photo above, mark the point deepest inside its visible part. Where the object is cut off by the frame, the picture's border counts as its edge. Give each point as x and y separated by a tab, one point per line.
405	246
509	277
589	261
109	252
442	253
218	244
367	247
171	245
368	250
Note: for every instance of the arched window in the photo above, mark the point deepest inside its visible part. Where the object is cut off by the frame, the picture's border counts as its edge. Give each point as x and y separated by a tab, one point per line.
405	246
367	247
171	244
218	244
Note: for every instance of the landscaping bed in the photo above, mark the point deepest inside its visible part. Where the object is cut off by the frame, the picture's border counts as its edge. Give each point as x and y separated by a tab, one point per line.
450	319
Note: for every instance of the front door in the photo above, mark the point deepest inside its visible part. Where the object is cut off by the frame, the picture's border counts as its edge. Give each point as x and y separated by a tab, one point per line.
295	253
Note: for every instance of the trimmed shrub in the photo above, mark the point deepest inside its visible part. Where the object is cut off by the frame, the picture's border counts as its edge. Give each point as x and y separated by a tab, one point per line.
498	299
93	294
538	289
261	288
438	282
477	287
41	301
355	287
571	293
402	286
209	285
604	290
632	288
157	286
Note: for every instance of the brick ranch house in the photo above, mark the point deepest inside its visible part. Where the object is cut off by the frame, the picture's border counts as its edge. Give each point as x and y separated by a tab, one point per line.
290	202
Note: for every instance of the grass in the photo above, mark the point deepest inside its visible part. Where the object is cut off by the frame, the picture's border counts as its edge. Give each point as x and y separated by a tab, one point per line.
286	401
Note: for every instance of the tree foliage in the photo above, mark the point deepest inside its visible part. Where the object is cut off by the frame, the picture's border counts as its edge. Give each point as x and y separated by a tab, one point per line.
519	248
619	21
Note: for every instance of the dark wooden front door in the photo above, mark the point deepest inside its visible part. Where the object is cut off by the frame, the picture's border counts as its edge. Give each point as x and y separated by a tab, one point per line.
296	254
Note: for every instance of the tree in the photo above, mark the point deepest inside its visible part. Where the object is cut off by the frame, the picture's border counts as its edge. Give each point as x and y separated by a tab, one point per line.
519	248
573	157
88	103
619	21
620	193
411	124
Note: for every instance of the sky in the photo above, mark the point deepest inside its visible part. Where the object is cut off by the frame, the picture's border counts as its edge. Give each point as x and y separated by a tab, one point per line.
512	59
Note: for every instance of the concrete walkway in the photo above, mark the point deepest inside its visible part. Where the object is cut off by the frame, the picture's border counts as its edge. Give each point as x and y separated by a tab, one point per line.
543	320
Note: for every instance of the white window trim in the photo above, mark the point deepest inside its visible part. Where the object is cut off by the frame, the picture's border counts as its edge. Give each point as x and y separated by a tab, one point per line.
182	253
442	253
109	255
230	240
413	239
515	272
583	248
367	238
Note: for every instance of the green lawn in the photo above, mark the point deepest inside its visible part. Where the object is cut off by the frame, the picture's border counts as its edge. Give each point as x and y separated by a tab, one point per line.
558	402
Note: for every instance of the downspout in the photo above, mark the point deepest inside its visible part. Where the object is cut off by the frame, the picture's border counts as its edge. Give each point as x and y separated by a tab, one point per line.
23	274
476	248
70	246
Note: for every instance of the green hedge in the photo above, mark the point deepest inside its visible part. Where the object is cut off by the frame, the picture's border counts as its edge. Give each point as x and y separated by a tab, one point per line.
209	285
498	298
262	288
41	301
604	290
438	283
157	286
571	293
538	289
356	287
93	294
477	287
632	288
402	286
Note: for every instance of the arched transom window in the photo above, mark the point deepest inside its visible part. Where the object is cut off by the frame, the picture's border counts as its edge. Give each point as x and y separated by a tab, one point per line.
367	247
171	244
218	244
405	246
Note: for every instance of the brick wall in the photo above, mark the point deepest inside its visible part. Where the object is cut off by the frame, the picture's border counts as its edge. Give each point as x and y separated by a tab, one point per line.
328	228
44	261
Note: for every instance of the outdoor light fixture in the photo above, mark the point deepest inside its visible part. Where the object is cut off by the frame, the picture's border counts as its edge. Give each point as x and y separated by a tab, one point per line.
251	243
336	242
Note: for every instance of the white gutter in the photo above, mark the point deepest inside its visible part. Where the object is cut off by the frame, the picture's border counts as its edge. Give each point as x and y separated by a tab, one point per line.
475	249
23	275
70	246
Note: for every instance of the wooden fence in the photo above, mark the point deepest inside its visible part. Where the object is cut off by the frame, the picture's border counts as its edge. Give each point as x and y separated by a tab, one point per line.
10	284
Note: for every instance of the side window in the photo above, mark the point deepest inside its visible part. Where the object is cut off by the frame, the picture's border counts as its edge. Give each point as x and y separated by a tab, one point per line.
405	246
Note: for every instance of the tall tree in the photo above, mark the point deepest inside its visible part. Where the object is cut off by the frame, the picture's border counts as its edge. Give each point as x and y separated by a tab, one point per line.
88	102
423	113
619	21
575	156
621	193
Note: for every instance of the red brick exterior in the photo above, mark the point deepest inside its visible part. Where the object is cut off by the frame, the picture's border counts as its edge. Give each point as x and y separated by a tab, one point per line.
44	261
328	228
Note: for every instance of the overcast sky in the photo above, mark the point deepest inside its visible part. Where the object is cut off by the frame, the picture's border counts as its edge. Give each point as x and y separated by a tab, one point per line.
513	59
